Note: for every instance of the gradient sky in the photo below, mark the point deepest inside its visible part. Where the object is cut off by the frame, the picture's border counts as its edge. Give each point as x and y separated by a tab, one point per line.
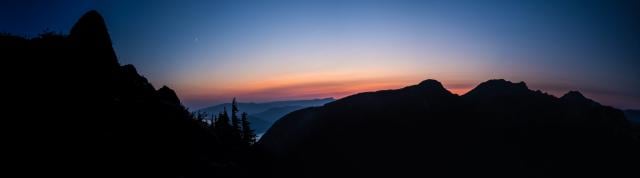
265	50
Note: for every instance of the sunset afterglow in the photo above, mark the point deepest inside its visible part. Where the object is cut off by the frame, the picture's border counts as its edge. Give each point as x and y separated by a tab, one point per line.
210	52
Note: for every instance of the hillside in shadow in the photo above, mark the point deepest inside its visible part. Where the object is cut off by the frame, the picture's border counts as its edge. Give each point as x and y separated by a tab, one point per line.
105	119
498	129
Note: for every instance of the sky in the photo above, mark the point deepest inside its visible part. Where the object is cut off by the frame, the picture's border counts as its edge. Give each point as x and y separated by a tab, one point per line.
212	51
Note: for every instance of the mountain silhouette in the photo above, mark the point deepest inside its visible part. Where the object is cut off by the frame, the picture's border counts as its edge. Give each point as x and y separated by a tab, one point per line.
136	127
498	129
105	118
91	35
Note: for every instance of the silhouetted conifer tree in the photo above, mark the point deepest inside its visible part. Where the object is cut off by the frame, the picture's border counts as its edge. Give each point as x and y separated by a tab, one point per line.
213	120
235	122
222	128
248	135
222	121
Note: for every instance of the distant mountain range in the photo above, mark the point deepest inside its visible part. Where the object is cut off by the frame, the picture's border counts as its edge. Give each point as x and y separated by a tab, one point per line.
263	115
498	129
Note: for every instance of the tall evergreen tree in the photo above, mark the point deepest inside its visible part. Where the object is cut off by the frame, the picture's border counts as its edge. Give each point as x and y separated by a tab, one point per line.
248	135
213	120
222	122
235	122
222	127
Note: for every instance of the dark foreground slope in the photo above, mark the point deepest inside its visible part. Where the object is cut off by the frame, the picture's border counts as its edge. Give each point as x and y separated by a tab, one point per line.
100	118
499	129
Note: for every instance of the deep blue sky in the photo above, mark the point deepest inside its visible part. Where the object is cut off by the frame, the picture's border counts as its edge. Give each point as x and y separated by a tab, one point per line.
263	50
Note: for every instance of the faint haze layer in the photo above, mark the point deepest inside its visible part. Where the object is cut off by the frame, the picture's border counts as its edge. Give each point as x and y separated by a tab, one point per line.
277	50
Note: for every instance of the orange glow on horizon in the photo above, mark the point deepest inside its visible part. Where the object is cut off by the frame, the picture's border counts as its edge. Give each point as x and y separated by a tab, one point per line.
318	85
459	91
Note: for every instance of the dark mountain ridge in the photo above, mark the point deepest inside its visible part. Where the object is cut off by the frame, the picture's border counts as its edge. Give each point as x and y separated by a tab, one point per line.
498	129
105	119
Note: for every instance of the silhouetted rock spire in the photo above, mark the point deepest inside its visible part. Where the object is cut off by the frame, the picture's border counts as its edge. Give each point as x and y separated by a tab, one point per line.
91	30
119	122
91	37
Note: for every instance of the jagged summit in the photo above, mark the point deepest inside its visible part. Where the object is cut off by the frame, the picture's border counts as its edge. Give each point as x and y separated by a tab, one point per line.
502	83
91	30
429	86
168	95
498	87
573	95
91	37
576	97
430	83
